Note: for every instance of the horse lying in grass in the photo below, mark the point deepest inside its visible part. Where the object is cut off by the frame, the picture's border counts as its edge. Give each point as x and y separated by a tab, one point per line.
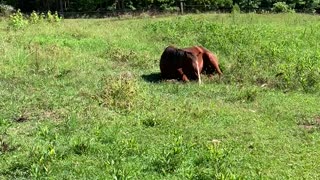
179	64
187	63
209	61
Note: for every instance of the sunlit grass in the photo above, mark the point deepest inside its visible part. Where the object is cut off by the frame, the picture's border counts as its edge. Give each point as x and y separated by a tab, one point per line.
83	99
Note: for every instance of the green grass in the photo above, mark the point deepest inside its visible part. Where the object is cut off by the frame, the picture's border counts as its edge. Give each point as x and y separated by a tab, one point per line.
82	99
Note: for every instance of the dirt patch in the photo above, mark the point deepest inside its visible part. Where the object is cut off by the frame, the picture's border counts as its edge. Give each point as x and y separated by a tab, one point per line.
5	146
308	127
310	124
21	118
50	115
39	114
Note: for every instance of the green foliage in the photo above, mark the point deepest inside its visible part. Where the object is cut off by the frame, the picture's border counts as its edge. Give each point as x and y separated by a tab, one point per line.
207	161
281	7
247	5
34	18
168	7
17	20
235	9
170	158
84	6
120	92
213	164
52	18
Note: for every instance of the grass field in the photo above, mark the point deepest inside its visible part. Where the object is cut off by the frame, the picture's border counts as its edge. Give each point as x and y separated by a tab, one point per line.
82	99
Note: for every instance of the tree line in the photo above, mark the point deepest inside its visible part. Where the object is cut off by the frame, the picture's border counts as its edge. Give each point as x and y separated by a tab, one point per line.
161	5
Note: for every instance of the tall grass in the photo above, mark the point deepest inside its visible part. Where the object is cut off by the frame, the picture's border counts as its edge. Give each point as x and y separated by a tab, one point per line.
82	99
282	56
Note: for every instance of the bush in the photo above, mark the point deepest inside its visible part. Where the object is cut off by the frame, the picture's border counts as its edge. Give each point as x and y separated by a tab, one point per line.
120	92
6	10
53	17
281	7
17	20
35	18
235	9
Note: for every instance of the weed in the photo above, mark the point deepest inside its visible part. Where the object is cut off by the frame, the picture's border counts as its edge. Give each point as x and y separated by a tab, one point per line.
43	156
170	158
17	20
213	164
105	135
115	169
52	18
35	18
120	92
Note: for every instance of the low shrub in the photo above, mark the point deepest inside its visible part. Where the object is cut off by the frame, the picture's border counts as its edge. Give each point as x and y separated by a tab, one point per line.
281	7
18	21
120	92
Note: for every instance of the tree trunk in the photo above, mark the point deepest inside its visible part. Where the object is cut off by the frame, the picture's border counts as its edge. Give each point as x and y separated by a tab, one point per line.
61	7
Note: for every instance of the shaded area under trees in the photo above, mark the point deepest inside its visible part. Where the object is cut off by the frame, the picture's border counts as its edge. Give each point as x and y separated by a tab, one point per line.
96	6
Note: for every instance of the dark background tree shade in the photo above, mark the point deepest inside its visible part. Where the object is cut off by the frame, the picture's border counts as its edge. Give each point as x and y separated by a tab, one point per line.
160	5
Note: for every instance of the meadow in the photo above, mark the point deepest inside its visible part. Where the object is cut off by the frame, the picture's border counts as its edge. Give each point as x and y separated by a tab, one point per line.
83	99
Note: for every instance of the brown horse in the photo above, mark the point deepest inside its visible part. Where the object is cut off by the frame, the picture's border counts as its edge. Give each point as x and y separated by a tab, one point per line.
209	62
179	64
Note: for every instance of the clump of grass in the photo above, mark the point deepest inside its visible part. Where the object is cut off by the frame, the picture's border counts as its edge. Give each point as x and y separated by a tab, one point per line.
42	156
80	148
44	59
130	58
120	92
204	161
122	56
212	163
170	158
122	150
245	94
150	122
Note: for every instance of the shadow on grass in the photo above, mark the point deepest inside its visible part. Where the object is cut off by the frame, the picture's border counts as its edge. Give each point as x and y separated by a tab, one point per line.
153	77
